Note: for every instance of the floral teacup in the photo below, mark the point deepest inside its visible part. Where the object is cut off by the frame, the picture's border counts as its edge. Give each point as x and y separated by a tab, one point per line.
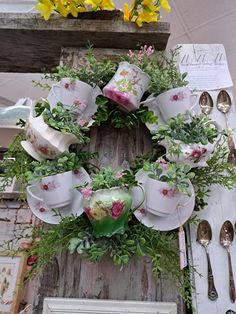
55	191
175	101
127	86
75	95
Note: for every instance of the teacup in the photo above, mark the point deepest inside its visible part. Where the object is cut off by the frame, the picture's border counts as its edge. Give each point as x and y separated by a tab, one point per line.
175	101
127	86
75	95
56	191
161	199
43	142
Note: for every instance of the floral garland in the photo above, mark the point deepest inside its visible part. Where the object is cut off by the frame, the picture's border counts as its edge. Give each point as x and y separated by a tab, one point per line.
142	11
95	234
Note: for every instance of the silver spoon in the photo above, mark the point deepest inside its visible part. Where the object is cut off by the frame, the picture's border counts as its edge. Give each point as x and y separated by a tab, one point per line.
226	239
206	103
204	236
224	104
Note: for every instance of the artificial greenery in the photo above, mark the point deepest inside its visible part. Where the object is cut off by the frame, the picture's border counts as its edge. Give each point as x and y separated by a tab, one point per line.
217	172
108	111
176	175
187	129
164	72
76	234
92	71
65	162
62	120
15	164
108	178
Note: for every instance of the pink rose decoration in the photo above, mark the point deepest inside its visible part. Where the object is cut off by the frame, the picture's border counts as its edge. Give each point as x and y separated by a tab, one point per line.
197	153
168	192
163	164
119	175
177	97
81	122
142	211
117	208
87	192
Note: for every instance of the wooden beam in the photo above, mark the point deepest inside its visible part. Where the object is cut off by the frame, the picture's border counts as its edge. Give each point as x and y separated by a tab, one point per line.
29	44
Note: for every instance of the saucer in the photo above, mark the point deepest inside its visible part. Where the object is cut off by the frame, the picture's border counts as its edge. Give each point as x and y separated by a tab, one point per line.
42	211
170	222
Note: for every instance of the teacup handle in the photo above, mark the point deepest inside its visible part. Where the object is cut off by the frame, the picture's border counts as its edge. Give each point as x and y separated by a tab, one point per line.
147	101
29	190
195	102
185	204
141	202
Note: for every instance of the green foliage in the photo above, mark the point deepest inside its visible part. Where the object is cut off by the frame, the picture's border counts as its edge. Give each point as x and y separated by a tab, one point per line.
109	111
92	71
176	175
108	178
16	163
164	72
63	163
62	120
217	172
76	234
188	128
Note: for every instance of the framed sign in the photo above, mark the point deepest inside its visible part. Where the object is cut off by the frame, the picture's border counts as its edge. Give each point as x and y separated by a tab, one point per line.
11	280
90	306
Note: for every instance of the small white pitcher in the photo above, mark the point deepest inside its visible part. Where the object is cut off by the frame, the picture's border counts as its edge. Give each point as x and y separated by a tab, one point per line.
161	199
74	95
175	101
127	86
56	191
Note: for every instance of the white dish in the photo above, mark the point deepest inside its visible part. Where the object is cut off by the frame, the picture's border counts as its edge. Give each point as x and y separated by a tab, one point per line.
47	214
178	218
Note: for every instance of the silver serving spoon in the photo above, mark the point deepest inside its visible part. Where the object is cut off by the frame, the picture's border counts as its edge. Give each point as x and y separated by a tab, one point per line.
226	239
206	103
224	104
204	236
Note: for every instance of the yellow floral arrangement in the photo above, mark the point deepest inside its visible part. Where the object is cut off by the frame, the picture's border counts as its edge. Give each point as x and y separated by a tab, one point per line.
139	11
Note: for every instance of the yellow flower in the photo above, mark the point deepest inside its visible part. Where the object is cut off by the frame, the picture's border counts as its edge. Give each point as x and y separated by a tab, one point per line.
73	9
107	5
46	7
61	8
165	5
148	17
126	12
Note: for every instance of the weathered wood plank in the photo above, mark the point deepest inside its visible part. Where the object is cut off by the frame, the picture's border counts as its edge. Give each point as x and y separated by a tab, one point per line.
29	44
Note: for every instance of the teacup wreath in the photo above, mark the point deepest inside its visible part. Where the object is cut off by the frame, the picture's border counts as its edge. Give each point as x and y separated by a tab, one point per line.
49	157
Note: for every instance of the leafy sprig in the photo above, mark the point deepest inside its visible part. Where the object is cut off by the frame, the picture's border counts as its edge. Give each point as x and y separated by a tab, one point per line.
176	175
109	111
217	172
16	164
76	234
188	128
108	178
62	120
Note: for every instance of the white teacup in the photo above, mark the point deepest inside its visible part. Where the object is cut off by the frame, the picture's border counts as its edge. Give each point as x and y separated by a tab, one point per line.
74	95
175	101
127	86
161	199
56	190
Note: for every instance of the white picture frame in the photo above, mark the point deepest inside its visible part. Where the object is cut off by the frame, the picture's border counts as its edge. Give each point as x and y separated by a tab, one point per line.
91	306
